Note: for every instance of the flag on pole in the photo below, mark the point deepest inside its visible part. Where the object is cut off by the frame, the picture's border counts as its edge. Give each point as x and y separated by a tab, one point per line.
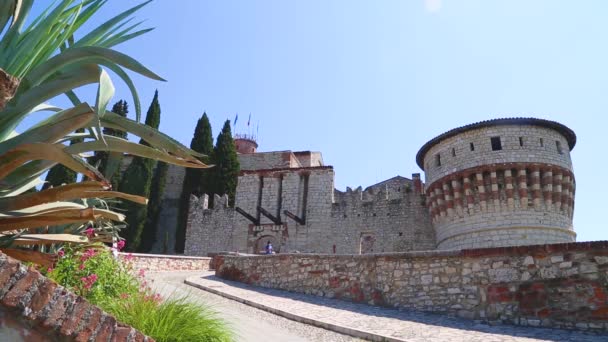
236	117
248	121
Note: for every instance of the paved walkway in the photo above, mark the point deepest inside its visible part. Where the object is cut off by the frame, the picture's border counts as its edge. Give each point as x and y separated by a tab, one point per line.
250	324
375	323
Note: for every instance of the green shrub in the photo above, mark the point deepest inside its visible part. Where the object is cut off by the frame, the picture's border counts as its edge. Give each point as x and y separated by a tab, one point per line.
112	284
174	319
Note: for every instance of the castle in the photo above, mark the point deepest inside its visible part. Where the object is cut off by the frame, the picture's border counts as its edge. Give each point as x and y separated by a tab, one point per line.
494	183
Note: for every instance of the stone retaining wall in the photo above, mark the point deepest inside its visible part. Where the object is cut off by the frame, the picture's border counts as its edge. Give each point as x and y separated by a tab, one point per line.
557	285
159	263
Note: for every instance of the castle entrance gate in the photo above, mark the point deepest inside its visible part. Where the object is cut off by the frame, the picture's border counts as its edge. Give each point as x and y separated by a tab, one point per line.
260	244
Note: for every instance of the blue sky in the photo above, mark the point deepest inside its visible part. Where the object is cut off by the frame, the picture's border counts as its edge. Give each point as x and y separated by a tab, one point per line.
369	82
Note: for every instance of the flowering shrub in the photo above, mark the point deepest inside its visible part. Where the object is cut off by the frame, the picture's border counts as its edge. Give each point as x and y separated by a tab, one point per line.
111	283
94	273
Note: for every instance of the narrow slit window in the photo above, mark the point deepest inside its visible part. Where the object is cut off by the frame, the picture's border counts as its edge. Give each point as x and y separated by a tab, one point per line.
496	144
559	147
453	152
472	147
521	141
437	160
542	142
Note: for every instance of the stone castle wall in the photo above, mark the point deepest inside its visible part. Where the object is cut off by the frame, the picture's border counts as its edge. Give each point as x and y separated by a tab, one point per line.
381	219
520	192
167	222
559	285
374	221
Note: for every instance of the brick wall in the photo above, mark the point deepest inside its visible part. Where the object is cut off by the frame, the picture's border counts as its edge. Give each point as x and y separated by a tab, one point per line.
61	314
558	285
159	263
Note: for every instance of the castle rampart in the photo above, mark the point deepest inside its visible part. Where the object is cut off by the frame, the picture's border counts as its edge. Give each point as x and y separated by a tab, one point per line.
559	285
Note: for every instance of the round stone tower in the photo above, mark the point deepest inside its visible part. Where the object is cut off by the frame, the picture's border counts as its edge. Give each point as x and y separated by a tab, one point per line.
501	182
245	143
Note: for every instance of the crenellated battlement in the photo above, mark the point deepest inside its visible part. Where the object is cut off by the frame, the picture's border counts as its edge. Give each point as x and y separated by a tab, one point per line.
202	202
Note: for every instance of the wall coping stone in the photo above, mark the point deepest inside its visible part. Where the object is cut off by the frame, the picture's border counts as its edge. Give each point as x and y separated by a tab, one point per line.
145	255
478	252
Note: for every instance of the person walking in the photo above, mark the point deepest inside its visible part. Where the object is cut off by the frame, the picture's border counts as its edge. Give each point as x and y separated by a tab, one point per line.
269	248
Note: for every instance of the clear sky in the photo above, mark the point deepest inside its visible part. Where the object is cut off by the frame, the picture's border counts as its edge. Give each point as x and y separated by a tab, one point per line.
369	82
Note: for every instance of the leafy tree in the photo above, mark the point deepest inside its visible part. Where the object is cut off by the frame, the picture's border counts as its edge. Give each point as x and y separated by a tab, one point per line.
148	236
136	180
60	174
196	182
227	167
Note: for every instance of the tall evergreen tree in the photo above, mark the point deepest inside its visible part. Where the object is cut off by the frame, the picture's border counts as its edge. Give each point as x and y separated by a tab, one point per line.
101	157
196	181
148	236
136	180
227	167
60	174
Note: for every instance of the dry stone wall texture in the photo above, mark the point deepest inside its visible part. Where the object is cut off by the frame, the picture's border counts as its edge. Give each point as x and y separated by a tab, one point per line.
558	285
163	263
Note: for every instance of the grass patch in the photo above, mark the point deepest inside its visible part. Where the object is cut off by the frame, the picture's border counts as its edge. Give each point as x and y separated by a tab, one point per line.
174	319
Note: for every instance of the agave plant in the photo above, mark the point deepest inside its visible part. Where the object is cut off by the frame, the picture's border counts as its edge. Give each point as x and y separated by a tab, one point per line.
40	60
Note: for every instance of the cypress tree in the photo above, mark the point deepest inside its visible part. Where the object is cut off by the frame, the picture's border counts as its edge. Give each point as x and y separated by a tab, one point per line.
101	157
60	174
148	236
196	181
136	180
227	167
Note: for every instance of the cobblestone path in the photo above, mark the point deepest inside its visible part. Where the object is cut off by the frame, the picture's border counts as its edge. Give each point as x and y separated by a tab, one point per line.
381	324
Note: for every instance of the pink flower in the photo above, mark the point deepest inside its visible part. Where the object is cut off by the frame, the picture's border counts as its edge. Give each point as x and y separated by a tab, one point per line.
142	272
90	232
124	296
121	244
49	270
61	253
89	253
129	257
89	281
158	298
81	267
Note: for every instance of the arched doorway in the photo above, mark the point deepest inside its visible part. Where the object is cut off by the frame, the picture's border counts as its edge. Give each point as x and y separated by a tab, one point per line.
260	244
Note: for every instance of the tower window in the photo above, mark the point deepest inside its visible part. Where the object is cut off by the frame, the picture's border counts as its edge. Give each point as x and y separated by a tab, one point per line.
472	147
521	141
542	142
559	147
437	160
496	144
453	152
